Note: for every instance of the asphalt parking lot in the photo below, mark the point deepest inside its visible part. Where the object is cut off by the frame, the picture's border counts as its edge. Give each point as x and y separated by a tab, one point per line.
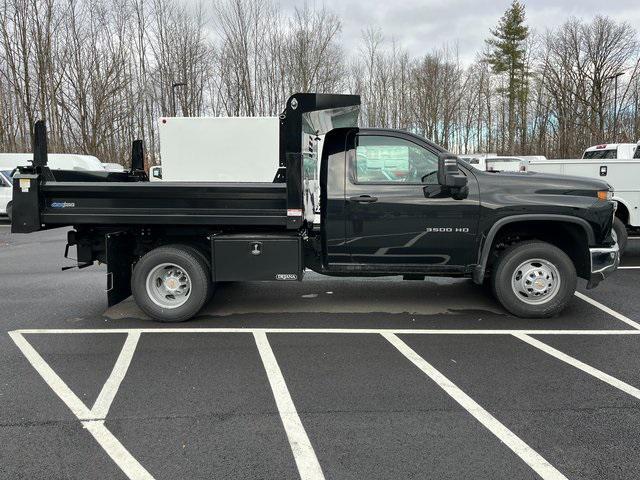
324	379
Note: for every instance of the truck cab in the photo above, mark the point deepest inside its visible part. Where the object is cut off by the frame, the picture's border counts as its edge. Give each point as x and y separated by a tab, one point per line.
612	151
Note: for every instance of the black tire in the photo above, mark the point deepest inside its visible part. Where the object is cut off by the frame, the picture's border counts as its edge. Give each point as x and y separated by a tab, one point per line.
621	235
205	261
10	210
516	255
193	264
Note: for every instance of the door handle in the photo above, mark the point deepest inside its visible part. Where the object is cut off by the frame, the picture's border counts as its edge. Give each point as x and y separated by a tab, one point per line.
363	199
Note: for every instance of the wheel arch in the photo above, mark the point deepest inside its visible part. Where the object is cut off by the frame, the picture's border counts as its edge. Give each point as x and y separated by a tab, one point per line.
622	211
542	227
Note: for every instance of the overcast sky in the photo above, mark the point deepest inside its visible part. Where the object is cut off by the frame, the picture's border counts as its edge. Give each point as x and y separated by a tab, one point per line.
420	25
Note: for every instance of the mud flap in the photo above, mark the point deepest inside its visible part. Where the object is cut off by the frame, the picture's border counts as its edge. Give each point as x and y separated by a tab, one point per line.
119	263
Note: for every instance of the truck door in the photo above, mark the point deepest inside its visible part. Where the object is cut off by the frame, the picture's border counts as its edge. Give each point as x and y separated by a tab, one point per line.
396	212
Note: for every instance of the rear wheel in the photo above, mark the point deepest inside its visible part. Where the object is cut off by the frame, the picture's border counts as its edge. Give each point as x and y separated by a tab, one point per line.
534	279
205	261
619	234
10	210
171	283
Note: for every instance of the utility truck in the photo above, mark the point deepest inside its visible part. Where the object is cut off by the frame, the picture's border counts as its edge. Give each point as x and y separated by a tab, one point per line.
390	203
612	151
616	163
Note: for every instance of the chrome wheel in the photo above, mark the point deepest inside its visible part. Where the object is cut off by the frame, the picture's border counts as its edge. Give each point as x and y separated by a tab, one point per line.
536	281
168	285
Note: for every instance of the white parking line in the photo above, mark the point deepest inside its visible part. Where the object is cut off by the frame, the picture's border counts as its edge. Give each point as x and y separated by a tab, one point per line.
91	420
574	362
366	331
110	388
631	267
118	453
306	460
506	436
608	310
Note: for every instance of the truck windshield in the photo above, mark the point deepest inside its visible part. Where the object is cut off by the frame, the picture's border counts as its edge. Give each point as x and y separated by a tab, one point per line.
601	154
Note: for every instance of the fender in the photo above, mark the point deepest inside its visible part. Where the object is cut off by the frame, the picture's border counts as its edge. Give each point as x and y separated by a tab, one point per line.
625	203
485	244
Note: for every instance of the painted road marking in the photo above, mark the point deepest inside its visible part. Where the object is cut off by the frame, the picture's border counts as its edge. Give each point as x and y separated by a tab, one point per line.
303	453
574	362
631	267
92	419
367	331
110	388
608	310
532	458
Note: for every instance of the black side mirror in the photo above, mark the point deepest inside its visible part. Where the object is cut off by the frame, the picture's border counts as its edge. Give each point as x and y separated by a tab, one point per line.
448	173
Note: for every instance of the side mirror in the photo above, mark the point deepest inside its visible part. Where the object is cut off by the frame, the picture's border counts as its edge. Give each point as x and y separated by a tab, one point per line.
448	173
156	172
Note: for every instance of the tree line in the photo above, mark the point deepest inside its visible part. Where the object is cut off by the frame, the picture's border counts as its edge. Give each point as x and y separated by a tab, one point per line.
101	72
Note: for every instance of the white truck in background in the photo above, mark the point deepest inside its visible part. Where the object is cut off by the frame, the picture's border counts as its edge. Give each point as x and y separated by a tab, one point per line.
492	162
616	163
198	149
612	151
57	161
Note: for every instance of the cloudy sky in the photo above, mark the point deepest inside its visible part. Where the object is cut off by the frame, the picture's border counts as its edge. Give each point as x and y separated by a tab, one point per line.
420	25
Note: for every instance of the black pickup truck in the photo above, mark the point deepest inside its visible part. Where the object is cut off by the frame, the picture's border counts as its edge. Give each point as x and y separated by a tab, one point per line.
390	203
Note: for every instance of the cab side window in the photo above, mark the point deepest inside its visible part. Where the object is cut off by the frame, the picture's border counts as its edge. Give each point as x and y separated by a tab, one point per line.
383	159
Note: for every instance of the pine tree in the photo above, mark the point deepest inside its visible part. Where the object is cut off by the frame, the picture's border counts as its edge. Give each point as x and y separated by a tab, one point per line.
506	55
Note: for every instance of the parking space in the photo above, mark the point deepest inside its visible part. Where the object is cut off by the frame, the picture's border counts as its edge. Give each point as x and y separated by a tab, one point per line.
326	379
348	403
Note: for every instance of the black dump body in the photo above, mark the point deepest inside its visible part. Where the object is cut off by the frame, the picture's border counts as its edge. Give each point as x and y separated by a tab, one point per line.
43	198
100	202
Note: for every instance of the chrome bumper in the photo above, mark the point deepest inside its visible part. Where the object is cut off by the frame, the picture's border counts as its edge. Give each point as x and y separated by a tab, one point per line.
604	261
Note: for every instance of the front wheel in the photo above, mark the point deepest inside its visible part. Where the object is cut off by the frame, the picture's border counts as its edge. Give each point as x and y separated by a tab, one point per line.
619	234
534	279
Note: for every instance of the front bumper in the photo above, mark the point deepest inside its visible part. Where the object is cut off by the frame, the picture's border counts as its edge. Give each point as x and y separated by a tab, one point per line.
604	261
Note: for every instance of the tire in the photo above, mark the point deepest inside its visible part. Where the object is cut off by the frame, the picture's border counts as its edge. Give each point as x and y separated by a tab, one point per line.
620	234
205	261
182	269
10	210
531	259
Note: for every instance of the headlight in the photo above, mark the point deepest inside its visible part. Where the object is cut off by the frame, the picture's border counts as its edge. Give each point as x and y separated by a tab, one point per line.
605	194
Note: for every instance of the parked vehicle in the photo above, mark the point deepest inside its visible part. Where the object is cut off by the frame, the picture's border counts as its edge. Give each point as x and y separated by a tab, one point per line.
6	191
56	161
505	164
206	148
391	203
495	163
612	151
476	161
113	167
